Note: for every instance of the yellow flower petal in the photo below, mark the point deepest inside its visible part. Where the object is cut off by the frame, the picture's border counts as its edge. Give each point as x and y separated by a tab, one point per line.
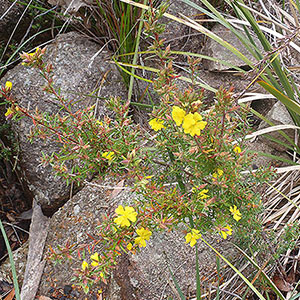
192	237
84	265
193	124
125	215
8	112
108	155
143	236
218	174
203	194
8	85
225	231
95	259
178	115
235	213
237	149
129	247
157	124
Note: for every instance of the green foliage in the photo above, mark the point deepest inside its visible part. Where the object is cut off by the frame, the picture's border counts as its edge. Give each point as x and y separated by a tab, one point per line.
11	261
275	77
190	171
187	171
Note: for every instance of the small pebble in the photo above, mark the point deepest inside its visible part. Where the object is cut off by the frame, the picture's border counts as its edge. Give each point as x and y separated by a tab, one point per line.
76	209
67	289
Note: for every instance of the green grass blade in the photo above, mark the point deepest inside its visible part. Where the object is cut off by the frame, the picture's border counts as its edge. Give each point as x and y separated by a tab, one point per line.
218	17
267	278
265	43
130	89
223	62
291	104
200	28
154	70
177	285
295	297
198	282
22	45
252	287
11	261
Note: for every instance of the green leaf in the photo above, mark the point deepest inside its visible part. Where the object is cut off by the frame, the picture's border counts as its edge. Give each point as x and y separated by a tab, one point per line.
295	297
177	285
291	104
11	261
252	287
267	278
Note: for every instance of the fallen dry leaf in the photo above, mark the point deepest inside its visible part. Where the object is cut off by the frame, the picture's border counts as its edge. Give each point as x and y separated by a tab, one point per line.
117	190
291	277
281	284
11	295
44	298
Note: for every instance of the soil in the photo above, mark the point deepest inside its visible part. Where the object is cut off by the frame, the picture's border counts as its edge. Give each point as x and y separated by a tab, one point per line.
14	201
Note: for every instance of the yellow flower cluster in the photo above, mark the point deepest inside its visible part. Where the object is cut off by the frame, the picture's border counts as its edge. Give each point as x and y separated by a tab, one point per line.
157	124
143	236
225	231
192	237
191	123
108	155
8	85
126	215
235	213
95	262
219	173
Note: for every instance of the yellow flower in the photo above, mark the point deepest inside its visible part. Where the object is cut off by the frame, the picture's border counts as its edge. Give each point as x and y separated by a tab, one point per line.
9	112
108	155
36	51
95	259
192	237
217	174
84	265
193	124
157	124
225	231
125	215
235	212
143	236
8	85
237	149
99	122
178	115
129	247
203	194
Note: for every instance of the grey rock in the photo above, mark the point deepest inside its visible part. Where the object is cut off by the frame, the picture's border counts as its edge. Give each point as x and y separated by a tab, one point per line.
278	115
144	275
78	71
70	6
261	145
19	257
179	36
215	50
